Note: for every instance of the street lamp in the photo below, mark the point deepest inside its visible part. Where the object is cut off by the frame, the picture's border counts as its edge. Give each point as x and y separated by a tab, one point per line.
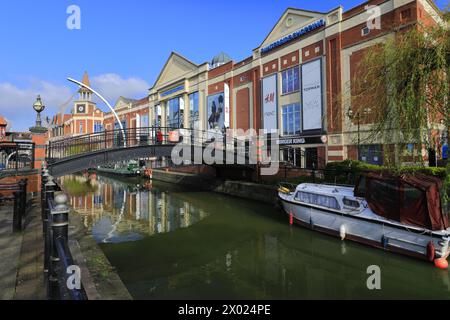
38	106
357	116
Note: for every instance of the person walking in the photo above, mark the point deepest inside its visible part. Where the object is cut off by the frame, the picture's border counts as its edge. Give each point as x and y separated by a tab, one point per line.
159	137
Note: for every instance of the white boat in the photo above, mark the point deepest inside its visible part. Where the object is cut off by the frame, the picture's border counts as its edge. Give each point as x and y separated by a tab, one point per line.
419	230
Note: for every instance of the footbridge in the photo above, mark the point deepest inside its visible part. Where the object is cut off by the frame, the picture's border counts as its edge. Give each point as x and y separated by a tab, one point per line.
78	153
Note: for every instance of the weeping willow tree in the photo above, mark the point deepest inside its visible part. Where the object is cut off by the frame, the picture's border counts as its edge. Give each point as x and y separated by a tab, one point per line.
401	88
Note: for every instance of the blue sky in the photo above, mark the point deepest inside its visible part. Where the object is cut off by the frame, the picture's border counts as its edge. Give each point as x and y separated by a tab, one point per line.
122	44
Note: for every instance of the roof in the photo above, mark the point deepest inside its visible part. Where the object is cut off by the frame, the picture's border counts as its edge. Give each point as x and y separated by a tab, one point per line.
3	122
171	56
126	100
324	189
86	79
141	101
86	82
221	58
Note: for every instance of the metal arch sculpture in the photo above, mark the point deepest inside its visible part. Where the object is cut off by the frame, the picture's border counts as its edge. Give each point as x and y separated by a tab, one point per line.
107	103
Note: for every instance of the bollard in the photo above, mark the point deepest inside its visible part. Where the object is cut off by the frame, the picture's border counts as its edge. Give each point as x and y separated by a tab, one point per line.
60	232
44	180
23	200
49	188
16	226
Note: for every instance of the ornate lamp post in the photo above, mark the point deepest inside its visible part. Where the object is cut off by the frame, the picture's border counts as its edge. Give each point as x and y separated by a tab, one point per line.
357	116
38	106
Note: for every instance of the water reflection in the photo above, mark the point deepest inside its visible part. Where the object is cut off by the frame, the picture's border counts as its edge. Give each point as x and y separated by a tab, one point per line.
202	245
119	211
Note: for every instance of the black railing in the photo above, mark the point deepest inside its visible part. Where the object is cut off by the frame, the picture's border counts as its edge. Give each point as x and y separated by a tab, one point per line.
135	137
15	156
59	265
18	195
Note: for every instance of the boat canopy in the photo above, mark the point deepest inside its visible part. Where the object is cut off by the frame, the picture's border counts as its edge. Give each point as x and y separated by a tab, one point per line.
410	199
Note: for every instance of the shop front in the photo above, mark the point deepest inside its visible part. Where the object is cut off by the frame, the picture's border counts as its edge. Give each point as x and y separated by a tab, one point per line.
302	152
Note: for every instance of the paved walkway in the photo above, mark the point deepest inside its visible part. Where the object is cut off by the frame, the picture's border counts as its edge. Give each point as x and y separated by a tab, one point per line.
21	257
22	260
10	246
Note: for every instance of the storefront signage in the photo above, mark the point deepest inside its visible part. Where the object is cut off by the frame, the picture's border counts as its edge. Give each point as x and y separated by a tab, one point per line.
294	35
312	95
300	140
269	102
226	93
172	91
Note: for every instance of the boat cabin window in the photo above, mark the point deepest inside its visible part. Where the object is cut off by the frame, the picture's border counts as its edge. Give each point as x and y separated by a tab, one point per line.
317	199
351	203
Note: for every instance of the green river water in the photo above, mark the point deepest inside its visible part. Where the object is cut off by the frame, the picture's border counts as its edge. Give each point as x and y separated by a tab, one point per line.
168	242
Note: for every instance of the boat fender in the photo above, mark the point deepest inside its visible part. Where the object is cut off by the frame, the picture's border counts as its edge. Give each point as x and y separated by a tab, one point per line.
291	219
284	190
441	263
342	232
431	251
384	242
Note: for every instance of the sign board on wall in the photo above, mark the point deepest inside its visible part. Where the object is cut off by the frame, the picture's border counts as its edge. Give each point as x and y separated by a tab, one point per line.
312	101
270	103
215	111
226	93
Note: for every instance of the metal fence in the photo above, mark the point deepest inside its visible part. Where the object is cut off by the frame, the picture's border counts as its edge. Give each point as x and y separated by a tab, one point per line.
18	195
58	261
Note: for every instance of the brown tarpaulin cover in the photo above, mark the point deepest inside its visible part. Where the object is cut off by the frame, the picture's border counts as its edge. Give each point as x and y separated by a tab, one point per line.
409	199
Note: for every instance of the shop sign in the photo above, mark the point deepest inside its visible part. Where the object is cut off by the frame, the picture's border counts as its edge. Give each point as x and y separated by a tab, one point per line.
269	103
300	140
313	26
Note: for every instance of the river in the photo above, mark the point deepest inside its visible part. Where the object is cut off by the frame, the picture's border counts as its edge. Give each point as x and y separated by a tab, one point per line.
168	242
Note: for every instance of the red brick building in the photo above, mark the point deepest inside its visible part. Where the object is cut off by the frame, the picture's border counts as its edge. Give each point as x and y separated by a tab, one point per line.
295	81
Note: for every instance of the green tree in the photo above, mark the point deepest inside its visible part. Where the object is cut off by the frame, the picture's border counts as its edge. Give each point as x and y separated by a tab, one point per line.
403	87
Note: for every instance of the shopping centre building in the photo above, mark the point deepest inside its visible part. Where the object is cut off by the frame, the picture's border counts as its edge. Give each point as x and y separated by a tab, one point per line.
295	81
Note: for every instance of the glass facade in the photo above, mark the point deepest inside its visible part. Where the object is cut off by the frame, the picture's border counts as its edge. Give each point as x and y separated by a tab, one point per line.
290	80
144	121
174	114
157	115
194	116
291	119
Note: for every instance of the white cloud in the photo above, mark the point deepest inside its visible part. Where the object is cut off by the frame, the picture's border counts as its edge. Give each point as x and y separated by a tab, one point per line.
16	101
112	86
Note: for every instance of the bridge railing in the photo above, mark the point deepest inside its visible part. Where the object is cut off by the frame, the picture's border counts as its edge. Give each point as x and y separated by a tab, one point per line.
62	279
15	156
130	137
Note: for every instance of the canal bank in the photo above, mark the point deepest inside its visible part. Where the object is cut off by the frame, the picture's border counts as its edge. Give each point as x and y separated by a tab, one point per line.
242	189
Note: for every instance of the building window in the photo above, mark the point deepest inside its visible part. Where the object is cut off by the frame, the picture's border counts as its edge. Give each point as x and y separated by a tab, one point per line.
98	127
405	15
365	31
194	117
290	80
174	114
144	121
318	200
372	154
291	119
81	128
